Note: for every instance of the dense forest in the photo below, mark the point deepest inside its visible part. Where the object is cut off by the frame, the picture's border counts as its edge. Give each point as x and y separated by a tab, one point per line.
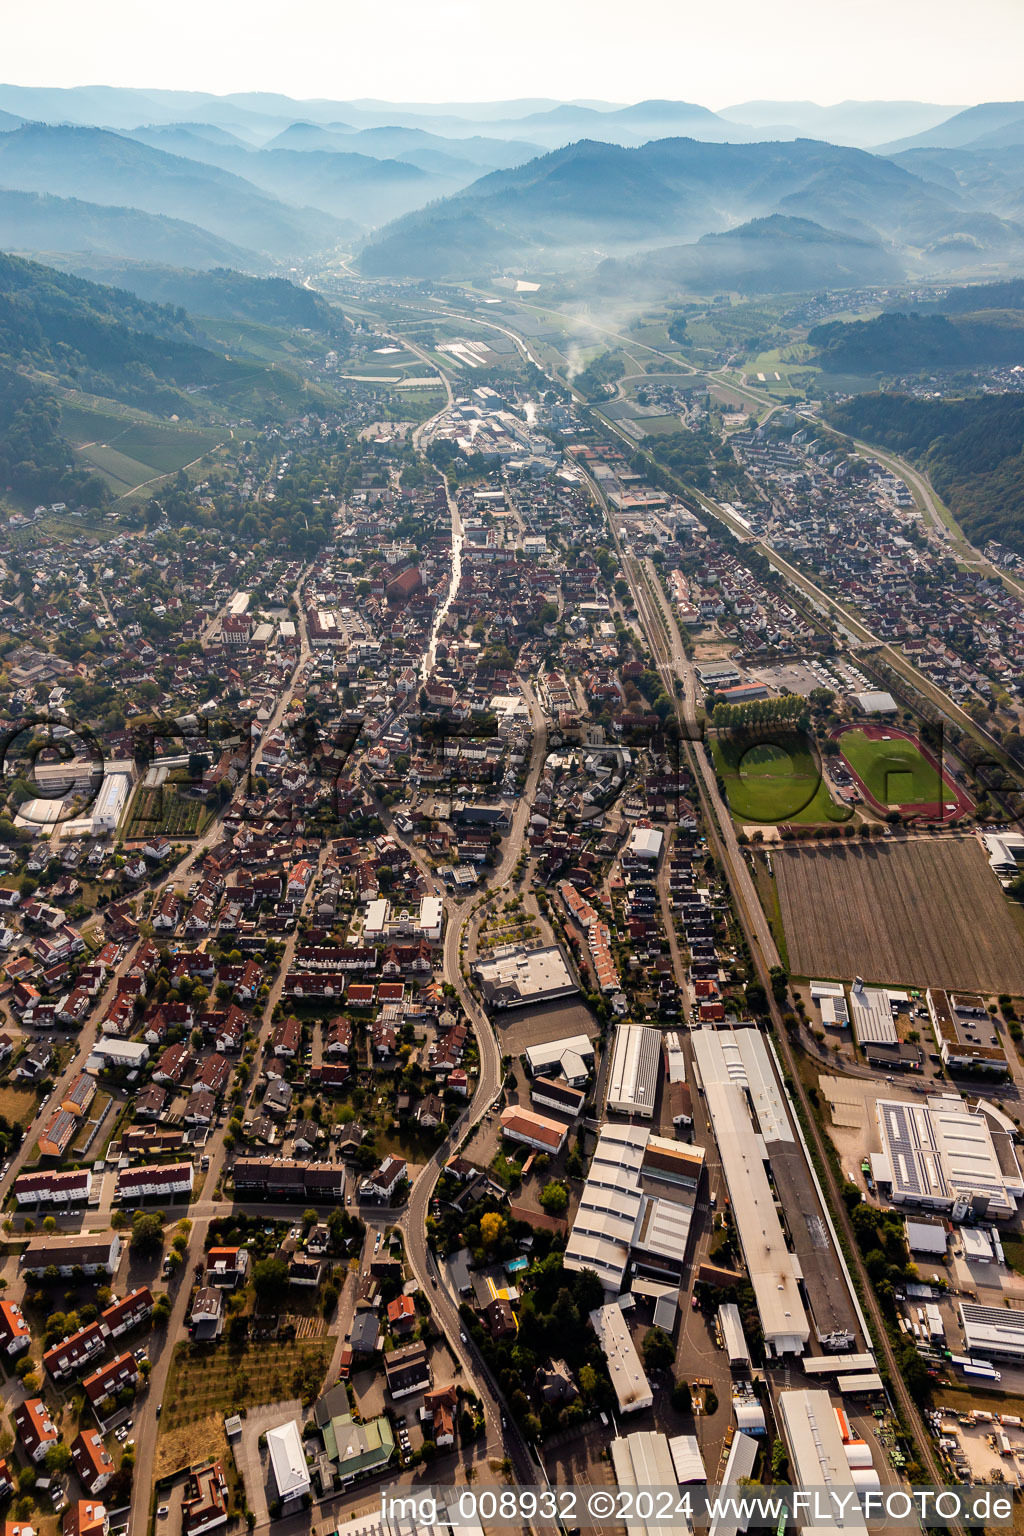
970	301
222	293
103	340
898	343
972	449
35	461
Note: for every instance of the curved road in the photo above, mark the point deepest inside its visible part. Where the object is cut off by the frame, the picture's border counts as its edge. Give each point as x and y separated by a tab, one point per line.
412	1221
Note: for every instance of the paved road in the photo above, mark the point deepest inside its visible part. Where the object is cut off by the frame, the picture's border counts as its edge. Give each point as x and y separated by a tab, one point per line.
412	1221
764	955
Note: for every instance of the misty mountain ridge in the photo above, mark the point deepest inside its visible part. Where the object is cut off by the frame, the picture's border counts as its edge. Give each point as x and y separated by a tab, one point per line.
777	254
964	128
35	223
109	168
603	199
258	117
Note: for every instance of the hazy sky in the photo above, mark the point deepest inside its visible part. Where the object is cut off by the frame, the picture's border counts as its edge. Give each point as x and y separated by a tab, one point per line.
452	50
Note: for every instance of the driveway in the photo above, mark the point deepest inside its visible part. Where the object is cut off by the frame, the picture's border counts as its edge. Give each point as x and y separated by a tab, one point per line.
254	1464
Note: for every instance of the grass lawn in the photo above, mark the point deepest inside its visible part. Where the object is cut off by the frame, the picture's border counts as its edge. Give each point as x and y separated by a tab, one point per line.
219	1379
658	425
894	770
767	784
1013	1249
18	1104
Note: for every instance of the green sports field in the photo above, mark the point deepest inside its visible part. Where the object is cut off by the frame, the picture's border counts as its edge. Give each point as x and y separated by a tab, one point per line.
768	784
892	769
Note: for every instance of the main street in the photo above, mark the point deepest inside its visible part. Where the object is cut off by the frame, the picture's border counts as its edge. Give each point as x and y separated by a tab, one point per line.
412	1221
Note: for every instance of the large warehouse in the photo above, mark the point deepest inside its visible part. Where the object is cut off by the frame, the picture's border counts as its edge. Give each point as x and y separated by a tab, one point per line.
943	1156
817	1454
635	1069
637	1204
736	1073
995	1333
872	1015
515	977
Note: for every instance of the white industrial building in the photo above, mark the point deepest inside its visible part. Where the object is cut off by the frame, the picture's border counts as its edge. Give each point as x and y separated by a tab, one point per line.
632	1389
645	843
876	702
994	1333
817	1455
739	1465
871	1010
733	1339
626	1211
111	800
675	1061
928	1237
943	1156
635	1069
571	1057
687	1461
644	1460
288	1461
830	997
736	1072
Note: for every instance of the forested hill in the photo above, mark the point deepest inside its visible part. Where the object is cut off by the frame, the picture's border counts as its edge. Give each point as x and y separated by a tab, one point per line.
57	330
969	301
36	463
899	343
972	449
103	340
222	293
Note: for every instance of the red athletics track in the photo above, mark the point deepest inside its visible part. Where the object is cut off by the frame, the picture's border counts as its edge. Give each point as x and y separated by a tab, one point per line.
947	812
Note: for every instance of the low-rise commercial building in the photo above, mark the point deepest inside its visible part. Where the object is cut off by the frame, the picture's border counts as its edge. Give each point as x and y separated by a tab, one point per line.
636	1206
628	1378
635	1070
538	1131
942	1156
964	1034
515	977
994	1333
570	1058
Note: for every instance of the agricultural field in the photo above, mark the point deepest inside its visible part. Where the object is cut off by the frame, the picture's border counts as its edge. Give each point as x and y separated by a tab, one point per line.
130	450
160	810
219	1379
928	912
766	785
190	1444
